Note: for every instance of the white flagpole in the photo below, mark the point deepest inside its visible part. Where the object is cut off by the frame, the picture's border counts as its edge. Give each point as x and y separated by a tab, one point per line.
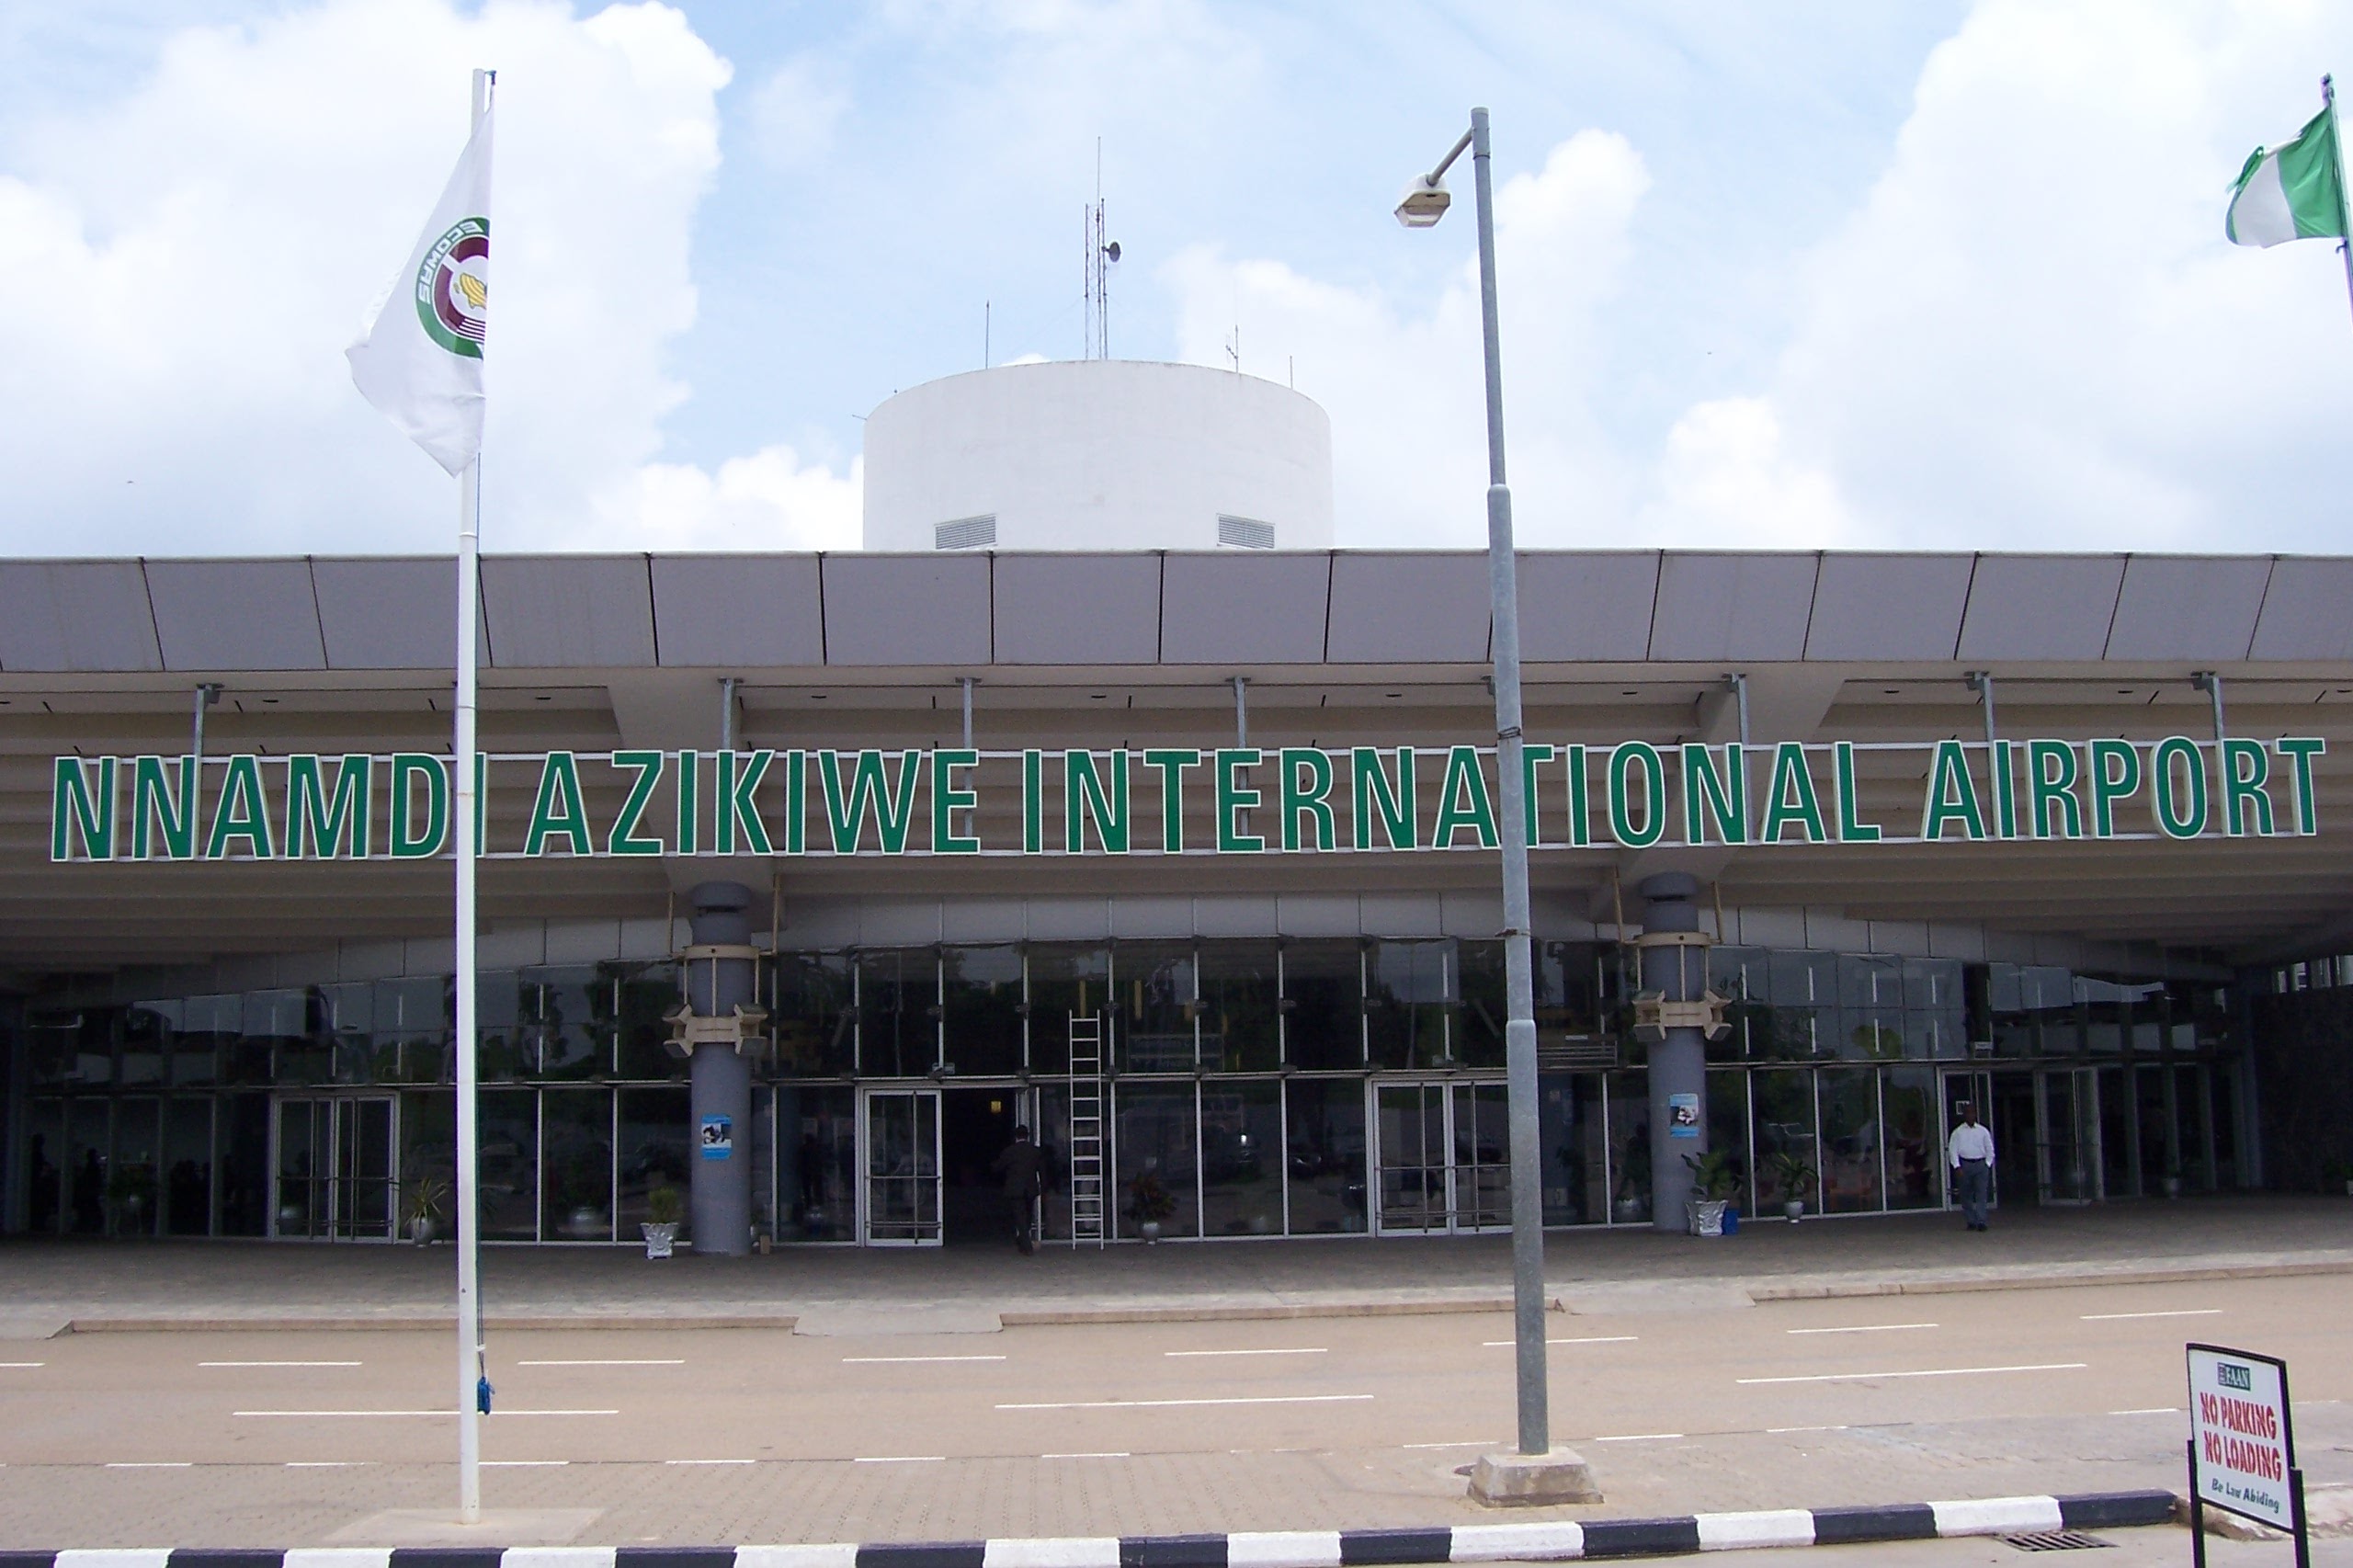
470	1345
2344	197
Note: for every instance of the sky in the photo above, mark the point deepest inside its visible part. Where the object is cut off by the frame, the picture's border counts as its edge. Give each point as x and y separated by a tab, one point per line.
1924	277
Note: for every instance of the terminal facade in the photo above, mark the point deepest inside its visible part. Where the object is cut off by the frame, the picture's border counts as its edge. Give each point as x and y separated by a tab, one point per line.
2056	835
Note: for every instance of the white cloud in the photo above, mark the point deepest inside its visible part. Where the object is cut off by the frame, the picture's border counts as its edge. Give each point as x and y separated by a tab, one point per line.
181	266
1726	479
767	501
795	110
1402	381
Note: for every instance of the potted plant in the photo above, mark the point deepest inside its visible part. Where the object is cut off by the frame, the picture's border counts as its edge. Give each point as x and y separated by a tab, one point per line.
2170	1184
1795	1175
1715	1182
663	1208
131	1189
424	1200
1149	1203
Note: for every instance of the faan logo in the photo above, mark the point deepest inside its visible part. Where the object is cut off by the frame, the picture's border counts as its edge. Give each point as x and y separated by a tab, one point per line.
453	288
2234	1377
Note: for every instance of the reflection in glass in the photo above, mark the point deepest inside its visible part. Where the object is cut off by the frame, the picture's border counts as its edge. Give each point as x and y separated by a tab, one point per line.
575	1026
1153	1160
1569	1130
652	1150
1158	998
1242	1142
1914	1141
1241	1029
1850	1139
981	1001
578	1165
510	1165
816	1164
811	1019
1482	1156
1063	982
1411	1138
1629	1147
1406	991
648	993
1323	1006
1324	1119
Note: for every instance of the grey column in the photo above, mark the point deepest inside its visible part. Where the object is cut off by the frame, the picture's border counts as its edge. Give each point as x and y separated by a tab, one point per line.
720	1194
1678	1063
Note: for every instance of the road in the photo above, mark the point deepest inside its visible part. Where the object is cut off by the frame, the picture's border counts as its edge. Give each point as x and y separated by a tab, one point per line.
1308	1423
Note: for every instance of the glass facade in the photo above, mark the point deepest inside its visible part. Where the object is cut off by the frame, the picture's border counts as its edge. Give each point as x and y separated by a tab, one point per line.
1256	1087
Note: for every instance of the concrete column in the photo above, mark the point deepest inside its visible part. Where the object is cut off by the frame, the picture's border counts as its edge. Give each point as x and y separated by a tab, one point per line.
721	1188
1678	1063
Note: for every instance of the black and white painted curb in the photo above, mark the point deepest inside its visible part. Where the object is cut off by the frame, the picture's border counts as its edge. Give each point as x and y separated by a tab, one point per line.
1536	1541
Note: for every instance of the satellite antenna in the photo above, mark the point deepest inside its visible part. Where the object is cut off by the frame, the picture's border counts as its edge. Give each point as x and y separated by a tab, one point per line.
1099	255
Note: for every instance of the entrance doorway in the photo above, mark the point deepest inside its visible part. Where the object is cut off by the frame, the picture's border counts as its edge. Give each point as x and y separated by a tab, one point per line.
1442	1152
976	1127
2045	1122
899	1201
333	1158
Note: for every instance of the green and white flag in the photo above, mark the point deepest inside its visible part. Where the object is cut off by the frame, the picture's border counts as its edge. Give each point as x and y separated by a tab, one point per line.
419	356
2291	192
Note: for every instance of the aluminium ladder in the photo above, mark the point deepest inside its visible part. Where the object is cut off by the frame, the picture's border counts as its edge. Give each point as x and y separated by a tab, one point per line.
1089	1221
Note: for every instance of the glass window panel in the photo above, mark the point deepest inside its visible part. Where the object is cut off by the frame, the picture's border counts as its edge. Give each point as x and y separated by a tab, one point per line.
1913	1135
1410	1144
1408	988
1477	1026
412	1031
1323	1155
510	1165
1728	1113
1240	995
87	1164
1569	1128
1482	1156
347	1017
132	1174
505	1053
1242	1158
1741	975
304	1135
577	1127
243	1156
898	1012
1323	1006
1801	978
429	1151
653	1152
816	1163
570	1014
814	1026
1629	1147
1158	996
980	995
188	1166
45	1149
141	1056
1849	1162
648	994
1063	981
1155	1139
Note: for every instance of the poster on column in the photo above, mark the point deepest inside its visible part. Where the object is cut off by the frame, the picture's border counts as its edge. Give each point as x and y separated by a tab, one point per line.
2243	1450
718	1137
1683	1116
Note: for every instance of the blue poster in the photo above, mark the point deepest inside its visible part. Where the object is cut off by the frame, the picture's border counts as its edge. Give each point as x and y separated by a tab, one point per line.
1682	1115
718	1137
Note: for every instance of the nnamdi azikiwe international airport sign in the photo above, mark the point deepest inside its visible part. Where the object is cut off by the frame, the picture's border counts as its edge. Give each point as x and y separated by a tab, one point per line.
812	802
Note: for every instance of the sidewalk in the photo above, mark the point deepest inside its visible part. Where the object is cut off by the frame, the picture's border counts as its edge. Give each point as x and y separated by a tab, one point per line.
96	1285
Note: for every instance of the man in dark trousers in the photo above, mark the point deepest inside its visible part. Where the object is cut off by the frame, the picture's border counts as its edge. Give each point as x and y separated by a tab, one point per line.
1023	1167
1970	1150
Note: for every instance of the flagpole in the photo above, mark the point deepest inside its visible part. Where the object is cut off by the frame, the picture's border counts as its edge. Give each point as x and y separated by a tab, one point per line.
2344	205
471	1371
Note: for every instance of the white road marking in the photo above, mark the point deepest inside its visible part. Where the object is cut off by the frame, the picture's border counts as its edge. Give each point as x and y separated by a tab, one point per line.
1862	1328
1302	1350
525	1464
1467	1443
278	1363
1772	1431
1163	1404
674	1361
1119	1455
901	1459
2181	1313
2157	1409
710	1461
1640	1437
22	1365
1589	1339
884	1360
151	1464
388	1414
1930	1372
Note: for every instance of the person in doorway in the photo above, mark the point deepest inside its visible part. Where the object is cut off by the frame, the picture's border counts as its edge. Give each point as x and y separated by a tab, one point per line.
1023	1165
1970	1151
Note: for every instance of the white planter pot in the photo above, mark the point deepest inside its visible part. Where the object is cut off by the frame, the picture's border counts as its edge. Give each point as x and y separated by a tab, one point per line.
1150	1228
420	1229
1794	1208
659	1239
1705	1215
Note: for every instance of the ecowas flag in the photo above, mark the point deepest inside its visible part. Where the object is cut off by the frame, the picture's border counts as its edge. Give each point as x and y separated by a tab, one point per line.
2292	192
419	356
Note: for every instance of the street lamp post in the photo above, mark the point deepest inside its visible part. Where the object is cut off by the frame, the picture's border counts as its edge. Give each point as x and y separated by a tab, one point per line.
1539	1471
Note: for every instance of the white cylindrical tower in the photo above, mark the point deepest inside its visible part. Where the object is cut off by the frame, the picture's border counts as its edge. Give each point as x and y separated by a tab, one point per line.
1098	454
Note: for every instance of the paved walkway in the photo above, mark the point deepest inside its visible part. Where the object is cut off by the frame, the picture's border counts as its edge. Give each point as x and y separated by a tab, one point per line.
126	1285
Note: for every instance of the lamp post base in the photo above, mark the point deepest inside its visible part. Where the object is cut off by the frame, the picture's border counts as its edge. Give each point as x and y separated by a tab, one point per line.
1511	1480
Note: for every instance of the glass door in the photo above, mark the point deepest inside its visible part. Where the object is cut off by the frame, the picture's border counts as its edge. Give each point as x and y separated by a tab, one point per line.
1443	1158
2071	1118
333	1166
901	1133
1973	1087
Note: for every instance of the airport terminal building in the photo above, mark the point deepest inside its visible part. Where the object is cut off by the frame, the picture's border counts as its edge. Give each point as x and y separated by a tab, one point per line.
1101	794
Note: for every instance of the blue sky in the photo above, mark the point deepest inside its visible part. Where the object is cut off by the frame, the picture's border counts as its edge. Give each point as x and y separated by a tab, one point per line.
1927	276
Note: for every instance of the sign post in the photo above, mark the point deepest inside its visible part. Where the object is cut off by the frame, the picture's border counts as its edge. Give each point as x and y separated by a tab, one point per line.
2242	1445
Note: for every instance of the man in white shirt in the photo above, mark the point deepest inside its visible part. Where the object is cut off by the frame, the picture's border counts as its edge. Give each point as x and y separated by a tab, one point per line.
1971	1152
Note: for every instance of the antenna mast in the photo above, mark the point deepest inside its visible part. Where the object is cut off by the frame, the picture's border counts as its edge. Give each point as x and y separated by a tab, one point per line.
1100	253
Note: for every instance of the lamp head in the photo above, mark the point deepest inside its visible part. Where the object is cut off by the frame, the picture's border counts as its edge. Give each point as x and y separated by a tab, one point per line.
1425	202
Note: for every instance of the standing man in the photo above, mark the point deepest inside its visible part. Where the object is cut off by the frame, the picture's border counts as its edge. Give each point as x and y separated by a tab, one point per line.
1023	1165
1971	1152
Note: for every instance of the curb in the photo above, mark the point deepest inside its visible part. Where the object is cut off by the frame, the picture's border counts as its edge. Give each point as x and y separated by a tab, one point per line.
1546	1541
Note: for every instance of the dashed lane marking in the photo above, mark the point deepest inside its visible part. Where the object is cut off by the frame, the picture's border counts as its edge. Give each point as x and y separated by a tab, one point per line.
2177	1312
710	1461
900	1459
525	1464
1924	1372
278	1363
1464	1443
1779	1431
1640	1437
2153	1410
390	1415
151	1464
1116	1454
1863	1328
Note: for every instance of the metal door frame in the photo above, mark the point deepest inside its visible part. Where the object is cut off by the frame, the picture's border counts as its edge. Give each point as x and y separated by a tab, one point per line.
1458	1175
327	1191
865	1153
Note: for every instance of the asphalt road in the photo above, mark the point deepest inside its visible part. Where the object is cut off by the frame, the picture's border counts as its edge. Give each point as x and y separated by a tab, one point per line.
1424	1382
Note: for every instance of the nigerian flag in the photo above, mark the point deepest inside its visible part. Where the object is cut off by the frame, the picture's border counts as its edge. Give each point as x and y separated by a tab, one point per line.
2290	192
